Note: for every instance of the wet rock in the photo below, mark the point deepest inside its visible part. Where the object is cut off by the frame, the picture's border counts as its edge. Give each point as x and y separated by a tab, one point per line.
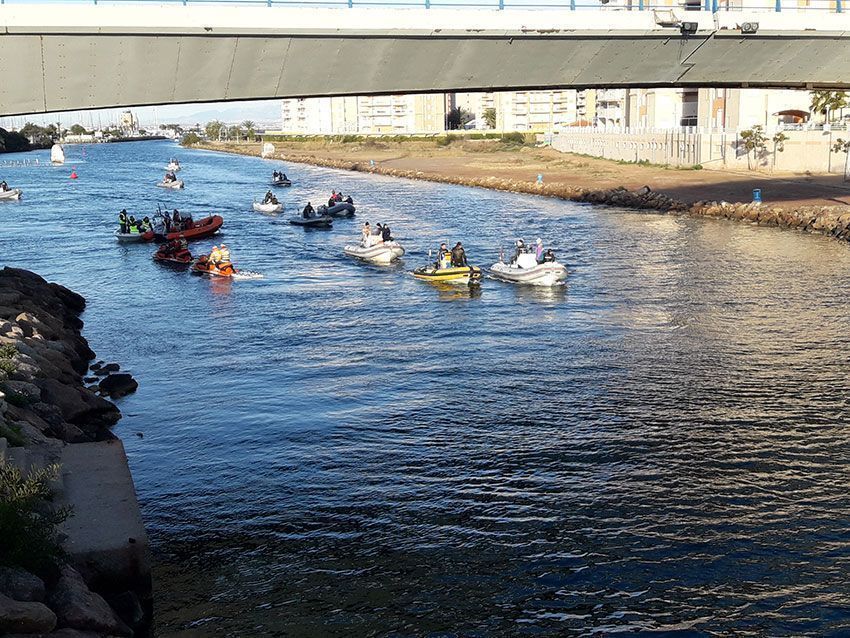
25	617
19	584
91	379
118	385
79	608
109	368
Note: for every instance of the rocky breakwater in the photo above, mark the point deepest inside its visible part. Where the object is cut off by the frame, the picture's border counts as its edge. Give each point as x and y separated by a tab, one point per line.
55	420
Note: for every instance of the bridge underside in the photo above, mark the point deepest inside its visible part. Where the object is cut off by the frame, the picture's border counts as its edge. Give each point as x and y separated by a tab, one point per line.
78	68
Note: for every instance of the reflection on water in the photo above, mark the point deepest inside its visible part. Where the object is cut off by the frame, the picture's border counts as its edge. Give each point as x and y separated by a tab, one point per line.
660	446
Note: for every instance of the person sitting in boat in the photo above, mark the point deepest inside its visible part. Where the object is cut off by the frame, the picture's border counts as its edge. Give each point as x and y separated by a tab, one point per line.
308	211
268	198
366	239
184	245
538	250
132	225
548	256
385	233
188	222
145	225
4	187
338	198
442	257
348	200
122	221
459	256
283	177
331	202
223	255
275	175
215	256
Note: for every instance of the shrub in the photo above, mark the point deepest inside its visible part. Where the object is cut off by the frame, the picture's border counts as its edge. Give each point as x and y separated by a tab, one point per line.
29	525
12	434
513	138
7	355
190	139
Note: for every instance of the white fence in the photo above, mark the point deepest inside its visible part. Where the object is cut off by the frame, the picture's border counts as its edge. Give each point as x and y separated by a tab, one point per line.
804	150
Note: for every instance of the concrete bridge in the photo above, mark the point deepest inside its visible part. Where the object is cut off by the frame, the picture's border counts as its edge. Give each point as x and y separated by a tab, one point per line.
61	57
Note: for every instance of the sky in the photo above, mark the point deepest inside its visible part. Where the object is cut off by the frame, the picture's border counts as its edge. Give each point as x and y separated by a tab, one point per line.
263	112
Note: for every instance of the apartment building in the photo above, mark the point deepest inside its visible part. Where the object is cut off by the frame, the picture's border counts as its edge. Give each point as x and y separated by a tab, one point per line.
383	114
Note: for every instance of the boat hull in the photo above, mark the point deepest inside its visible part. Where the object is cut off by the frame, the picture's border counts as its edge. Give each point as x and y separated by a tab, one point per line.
129	237
453	275
206	268
267	208
205	227
172	185
343	209
325	221
281	182
11	196
383	254
545	274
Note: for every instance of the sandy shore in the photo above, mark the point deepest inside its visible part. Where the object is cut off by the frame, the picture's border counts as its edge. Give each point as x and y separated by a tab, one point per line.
495	165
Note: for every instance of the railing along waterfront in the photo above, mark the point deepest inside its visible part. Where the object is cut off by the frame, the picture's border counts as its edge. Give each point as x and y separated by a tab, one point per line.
705	6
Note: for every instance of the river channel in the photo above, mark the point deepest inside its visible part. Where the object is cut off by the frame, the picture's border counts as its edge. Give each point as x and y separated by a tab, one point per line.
342	450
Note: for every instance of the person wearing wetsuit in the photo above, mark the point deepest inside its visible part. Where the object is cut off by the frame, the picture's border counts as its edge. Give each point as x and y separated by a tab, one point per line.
348	200
458	256
385	233
268	198
308	211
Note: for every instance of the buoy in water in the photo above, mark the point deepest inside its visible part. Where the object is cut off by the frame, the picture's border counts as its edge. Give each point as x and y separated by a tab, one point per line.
73	173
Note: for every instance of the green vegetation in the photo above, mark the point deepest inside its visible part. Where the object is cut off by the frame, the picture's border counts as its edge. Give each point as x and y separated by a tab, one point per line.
843	146
250	129
78	129
827	102
28	525
11	142
754	142
457	117
7	356
190	139
490	117
213	129
12	433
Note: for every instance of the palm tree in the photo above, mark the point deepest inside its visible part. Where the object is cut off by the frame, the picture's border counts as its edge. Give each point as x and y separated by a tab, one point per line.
249	127
213	129
827	102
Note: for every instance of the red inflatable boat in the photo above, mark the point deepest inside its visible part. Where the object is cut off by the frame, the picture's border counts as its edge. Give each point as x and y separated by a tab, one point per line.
205	227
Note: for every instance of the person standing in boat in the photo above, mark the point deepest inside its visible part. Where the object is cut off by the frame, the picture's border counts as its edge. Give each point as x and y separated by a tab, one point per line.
538	252
385	233
215	256
366	239
224	254
4	187
442	257
122	221
459	256
308	211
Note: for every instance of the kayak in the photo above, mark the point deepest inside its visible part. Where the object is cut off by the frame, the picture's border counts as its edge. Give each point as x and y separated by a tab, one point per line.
175	184
324	221
11	195
128	237
202	228
180	257
206	268
549	273
383	253
343	209
454	275
281	182
268	208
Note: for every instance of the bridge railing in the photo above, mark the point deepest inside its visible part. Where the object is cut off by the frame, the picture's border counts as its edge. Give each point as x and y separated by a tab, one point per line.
711	6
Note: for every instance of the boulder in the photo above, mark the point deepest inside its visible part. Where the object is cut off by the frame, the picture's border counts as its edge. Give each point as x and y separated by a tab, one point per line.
111	367
27	390
19	584
78	405
25	617
79	608
118	385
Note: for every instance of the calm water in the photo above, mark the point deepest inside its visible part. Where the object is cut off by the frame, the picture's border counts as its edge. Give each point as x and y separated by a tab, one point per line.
341	450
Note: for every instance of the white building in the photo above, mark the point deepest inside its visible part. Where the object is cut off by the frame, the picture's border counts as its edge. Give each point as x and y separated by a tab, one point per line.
737	109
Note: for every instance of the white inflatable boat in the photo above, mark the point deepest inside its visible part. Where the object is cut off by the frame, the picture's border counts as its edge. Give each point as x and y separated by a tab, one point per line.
175	184
173	166
526	270
128	237
268	208
383	253
7	196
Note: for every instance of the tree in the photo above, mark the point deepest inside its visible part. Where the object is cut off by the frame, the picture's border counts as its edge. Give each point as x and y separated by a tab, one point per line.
827	102
457	117
190	139
490	117
234	132
213	129
778	140
78	129
249	127
11	142
754	142
842	146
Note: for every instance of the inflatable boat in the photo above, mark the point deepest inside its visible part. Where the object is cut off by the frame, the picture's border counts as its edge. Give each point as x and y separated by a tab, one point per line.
323	221
11	195
128	237
383	253
281	182
268	208
343	209
453	274
526	270
175	184
180	257
202	228
173	166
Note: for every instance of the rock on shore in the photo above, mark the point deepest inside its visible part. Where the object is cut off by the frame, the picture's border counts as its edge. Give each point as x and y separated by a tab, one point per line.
45	359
